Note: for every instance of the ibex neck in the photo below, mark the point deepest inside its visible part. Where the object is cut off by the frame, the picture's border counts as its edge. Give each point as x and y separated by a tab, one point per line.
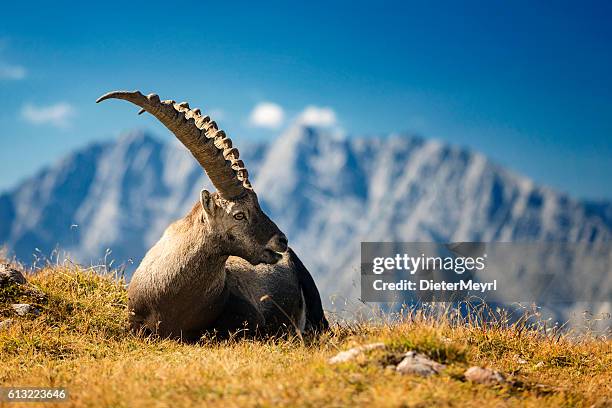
187	261
203	260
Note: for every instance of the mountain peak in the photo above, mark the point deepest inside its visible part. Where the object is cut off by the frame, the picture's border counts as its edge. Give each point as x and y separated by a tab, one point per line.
137	137
327	193
299	133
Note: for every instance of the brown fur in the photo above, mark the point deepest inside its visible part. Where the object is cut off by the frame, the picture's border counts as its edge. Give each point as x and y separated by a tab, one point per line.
185	284
179	288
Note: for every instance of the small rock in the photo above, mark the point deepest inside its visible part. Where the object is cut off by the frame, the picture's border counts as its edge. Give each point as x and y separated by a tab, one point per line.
539	365
10	275
419	364
519	359
355	378
6	323
484	376
350	354
23	309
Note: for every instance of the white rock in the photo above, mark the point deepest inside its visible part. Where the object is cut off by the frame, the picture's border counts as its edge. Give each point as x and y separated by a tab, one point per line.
484	376
23	309
419	364
350	354
519	359
6	323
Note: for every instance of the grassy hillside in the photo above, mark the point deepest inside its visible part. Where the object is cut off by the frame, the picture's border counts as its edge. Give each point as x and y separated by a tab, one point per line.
79	341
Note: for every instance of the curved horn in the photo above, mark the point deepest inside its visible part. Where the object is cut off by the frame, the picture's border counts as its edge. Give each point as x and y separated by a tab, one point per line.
209	145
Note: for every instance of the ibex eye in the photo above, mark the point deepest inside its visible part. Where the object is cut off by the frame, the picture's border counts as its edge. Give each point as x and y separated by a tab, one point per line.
239	216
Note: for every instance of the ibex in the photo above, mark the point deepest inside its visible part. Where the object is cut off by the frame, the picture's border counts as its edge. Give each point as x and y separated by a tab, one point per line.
225	266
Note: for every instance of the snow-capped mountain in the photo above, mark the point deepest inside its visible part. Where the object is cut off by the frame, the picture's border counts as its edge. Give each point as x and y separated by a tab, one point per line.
326	192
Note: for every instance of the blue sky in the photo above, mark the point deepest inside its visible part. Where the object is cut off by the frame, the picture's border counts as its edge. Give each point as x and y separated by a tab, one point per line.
526	83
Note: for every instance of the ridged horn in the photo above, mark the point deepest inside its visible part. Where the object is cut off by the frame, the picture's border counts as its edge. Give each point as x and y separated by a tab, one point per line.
209	145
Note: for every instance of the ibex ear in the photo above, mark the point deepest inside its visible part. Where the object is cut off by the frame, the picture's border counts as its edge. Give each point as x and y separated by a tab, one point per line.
208	203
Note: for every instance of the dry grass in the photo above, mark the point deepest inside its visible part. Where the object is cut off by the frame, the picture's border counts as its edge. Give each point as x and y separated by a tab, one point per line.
80	342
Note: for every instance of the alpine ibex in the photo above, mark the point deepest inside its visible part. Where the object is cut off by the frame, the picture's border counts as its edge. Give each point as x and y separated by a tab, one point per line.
225	266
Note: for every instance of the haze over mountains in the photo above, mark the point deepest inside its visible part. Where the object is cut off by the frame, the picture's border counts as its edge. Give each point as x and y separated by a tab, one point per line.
326	192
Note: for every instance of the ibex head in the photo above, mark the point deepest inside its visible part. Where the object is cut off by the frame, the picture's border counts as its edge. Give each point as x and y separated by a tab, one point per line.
233	213
243	229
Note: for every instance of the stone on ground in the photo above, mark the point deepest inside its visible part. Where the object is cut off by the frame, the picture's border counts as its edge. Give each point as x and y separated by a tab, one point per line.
10	275
484	376
22	309
6	323
354	352
419	364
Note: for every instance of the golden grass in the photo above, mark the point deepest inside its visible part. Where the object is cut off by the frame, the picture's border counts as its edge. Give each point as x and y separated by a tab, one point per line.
80	342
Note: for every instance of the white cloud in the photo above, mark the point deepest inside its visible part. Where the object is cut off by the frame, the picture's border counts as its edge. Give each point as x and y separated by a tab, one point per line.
12	72
267	115
58	115
318	116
